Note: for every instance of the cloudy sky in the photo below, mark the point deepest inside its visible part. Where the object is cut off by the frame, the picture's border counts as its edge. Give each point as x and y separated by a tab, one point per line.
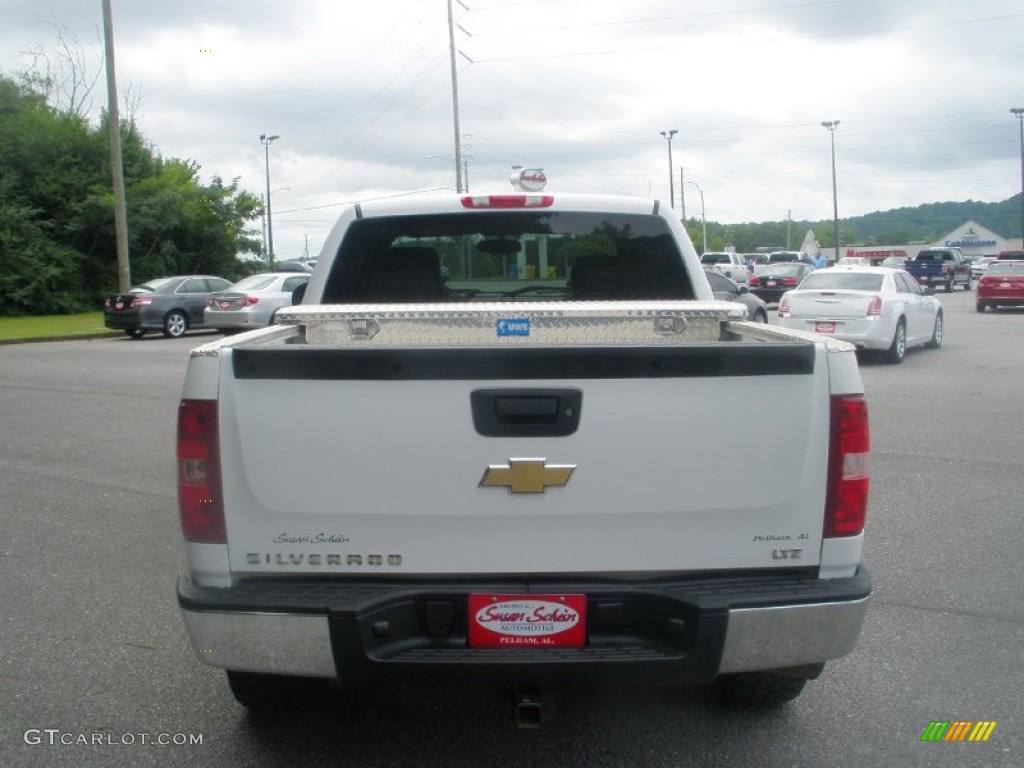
361	97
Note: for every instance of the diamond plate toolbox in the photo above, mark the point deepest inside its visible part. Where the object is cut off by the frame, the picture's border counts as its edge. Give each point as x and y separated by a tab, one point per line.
553	324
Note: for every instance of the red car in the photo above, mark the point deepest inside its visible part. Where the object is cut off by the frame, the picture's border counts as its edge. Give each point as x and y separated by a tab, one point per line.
1002	285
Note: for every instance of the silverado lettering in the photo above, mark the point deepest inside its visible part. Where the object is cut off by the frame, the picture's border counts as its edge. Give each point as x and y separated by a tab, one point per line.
318	558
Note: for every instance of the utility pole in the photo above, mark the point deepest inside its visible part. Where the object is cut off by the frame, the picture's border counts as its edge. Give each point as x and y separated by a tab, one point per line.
124	273
455	101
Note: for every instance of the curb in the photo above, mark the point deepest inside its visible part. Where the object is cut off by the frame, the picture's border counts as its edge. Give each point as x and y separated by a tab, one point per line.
76	337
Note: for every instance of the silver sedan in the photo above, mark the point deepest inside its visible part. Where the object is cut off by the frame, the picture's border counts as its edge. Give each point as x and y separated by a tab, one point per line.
251	302
874	308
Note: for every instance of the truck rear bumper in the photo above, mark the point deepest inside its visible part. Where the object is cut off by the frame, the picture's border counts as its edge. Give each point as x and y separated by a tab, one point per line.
646	632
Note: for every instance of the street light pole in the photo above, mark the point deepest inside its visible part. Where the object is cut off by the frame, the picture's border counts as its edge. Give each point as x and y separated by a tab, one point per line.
703	218
1019	113
266	141
667	135
830	126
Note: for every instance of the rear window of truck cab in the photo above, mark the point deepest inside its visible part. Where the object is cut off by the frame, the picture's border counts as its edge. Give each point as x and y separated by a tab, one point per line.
716	258
934	256
507	256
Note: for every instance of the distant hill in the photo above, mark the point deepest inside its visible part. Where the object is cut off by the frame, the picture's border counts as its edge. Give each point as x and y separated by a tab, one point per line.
932	220
924	223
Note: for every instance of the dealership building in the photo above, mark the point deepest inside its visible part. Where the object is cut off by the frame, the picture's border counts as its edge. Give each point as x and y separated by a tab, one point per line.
970	237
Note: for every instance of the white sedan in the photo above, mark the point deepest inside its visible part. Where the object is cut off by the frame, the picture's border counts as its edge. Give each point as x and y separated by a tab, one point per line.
874	308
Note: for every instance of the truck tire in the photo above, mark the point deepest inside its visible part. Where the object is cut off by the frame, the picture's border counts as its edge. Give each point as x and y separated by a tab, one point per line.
949	285
967	285
175	324
936	340
266	694
898	349
759	689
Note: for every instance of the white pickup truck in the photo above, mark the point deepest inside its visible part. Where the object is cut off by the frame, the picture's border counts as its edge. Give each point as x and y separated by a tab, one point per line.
485	448
728	263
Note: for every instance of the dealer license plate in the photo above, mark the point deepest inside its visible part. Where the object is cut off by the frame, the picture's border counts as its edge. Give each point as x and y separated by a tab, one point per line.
527	620
824	327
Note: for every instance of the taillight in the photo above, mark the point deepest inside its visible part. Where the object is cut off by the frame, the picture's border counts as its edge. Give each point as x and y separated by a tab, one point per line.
846	502
138	301
507	201
252	299
784	305
874	306
106	302
790	280
200	500
755	280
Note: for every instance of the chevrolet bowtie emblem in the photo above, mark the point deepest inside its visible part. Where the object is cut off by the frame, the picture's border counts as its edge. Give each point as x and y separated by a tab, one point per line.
526	475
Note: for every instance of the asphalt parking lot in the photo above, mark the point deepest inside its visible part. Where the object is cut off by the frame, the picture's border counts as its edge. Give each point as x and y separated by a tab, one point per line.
96	669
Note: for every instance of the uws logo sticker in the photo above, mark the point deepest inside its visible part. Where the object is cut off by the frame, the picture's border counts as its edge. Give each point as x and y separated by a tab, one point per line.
524	621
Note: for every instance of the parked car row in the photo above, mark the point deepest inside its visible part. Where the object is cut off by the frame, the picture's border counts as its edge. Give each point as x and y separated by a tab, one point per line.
169	304
875	308
175	305
942	266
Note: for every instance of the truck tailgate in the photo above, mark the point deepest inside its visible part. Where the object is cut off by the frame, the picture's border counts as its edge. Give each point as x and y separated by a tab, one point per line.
685	457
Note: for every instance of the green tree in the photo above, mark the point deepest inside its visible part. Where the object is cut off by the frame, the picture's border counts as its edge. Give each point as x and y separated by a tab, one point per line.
57	241
47	162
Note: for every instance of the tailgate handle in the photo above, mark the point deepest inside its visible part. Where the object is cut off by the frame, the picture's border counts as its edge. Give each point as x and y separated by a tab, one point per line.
526	412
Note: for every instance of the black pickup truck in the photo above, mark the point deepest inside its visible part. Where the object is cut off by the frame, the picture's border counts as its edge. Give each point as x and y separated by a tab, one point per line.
941	266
